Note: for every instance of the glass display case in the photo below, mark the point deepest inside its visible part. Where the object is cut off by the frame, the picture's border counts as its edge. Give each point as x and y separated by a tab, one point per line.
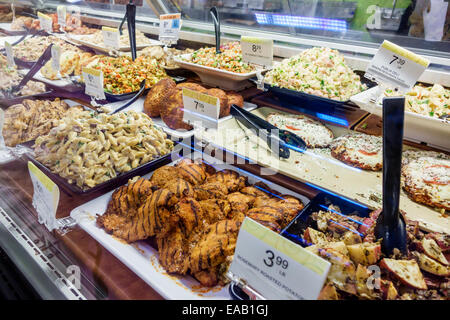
299	147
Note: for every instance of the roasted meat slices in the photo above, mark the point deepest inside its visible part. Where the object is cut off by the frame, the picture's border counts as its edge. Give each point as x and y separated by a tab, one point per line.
211	190
192	172
215	209
164	174
173	251
231	179
180	188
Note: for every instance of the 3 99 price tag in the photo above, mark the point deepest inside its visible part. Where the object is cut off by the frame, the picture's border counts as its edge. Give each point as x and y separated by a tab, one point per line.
257	51
93	80
45	22
395	66
111	37
200	108
45	197
9	55
169	26
276	267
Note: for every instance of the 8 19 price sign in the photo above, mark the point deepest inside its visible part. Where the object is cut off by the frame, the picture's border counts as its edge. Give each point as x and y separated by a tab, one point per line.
257	51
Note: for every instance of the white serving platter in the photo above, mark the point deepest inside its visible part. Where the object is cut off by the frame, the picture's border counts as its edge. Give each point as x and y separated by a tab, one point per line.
214	77
84	40
138	105
63	82
418	128
142	259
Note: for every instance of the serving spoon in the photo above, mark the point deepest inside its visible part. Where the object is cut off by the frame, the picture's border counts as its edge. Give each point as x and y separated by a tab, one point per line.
390	226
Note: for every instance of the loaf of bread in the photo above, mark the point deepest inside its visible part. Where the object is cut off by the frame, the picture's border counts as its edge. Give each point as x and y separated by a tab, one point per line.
172	112
235	98
158	96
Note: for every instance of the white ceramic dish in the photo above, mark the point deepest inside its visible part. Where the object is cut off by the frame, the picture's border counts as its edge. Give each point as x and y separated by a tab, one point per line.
224	79
418	128
142	259
84	40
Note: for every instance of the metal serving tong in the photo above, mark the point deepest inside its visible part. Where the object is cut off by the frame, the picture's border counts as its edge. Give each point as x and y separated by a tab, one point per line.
33	70
278	144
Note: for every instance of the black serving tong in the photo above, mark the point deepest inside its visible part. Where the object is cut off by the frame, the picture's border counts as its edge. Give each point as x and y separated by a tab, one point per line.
33	70
215	16
278	144
130	16
390	226
137	95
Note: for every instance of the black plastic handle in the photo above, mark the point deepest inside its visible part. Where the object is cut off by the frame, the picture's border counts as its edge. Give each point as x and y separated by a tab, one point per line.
215	15
393	119
136	96
263	130
131	22
36	66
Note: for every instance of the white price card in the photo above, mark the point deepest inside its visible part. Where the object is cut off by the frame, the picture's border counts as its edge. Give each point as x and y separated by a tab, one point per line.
257	51
276	267
9	55
111	37
395	66
62	13
169	26
45	22
200	109
45	197
93	80
56	56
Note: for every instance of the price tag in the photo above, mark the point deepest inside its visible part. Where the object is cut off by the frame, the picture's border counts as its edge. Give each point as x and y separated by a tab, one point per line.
62	13
111	37
276	267
45	197
396	66
169	26
46	22
93	80
9	55
257	51
56	55
200	108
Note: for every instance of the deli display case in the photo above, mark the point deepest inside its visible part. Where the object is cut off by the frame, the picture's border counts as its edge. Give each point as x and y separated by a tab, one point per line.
154	149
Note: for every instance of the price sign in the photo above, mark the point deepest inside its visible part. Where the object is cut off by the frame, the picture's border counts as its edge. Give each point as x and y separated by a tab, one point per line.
111	37
200	108
169	26
56	56
61	12
93	80
257	51
395	66
46	22
276	267
9	55
45	197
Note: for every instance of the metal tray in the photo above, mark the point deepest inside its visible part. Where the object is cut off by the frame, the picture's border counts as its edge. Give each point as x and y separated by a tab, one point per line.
284	93
107	185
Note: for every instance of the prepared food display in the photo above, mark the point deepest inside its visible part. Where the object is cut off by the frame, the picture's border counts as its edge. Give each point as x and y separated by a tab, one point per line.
359	150
33	118
73	24
88	148
31	49
317	71
433	101
349	244
124	39
230	58
193	213
313	132
164	56
70	63
9	77
427	180
165	99
123	75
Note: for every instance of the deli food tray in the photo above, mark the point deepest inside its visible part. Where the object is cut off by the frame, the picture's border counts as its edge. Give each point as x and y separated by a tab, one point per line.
214	77
81	39
418	128
142	258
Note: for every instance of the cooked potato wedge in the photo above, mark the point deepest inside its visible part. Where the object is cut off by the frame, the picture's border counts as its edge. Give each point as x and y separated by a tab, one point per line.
365	253
432	266
407	271
432	249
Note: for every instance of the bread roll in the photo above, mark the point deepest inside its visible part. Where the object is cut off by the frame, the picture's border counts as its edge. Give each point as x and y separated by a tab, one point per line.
172	112
235	98
192	86
224	107
157	97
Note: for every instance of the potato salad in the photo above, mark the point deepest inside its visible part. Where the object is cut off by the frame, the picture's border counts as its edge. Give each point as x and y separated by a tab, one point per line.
317	71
